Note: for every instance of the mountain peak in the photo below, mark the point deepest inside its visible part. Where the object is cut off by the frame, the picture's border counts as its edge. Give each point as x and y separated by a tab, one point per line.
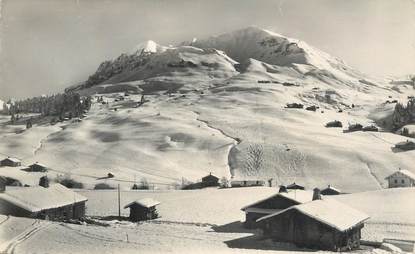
146	47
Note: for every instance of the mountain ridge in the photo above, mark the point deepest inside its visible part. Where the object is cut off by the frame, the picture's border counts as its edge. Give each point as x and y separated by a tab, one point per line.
204	58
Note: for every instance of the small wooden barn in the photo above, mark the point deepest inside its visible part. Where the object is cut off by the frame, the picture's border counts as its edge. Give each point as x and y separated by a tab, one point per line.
36	167
55	202
210	180
10	162
277	202
330	190
321	224
143	209
401	178
295	186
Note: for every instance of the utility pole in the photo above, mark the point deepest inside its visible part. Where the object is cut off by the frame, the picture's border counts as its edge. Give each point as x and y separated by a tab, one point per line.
119	202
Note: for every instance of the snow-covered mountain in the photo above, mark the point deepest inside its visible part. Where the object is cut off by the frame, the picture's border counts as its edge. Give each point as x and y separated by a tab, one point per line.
248	52
163	68
266	46
276	49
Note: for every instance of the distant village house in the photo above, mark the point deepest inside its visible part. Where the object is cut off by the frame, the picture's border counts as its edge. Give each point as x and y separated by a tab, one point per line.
143	209
295	186
401	178
320	224
10	162
330	190
247	183
53	202
210	180
36	167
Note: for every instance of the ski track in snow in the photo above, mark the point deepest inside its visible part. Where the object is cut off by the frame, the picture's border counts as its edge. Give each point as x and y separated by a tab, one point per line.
25	235
236	142
42	141
6	219
370	171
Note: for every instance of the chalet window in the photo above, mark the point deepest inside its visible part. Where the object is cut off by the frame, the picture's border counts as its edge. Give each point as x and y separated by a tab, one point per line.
402	181
396	181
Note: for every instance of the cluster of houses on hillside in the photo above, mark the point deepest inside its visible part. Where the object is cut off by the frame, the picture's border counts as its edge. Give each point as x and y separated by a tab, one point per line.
212	180
54	201
14	162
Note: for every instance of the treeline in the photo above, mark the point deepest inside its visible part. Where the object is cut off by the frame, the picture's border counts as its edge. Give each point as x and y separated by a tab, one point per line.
403	115
59	105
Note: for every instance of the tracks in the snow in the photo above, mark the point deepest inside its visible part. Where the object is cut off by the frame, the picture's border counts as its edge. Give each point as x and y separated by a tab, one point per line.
36	226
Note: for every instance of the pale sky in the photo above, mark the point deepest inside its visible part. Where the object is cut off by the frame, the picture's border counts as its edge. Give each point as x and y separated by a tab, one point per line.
50	44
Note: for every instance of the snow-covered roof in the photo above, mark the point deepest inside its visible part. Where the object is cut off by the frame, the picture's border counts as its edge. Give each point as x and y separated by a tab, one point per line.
38	198
299	196
145	202
210	176
294	185
404	172
329	212
11	159
331	188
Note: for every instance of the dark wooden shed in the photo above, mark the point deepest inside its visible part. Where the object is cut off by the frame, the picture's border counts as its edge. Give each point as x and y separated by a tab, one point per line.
10	162
143	209
210	180
273	204
321	224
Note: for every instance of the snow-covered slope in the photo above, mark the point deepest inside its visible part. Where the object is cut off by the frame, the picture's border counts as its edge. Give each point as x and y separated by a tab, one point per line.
205	113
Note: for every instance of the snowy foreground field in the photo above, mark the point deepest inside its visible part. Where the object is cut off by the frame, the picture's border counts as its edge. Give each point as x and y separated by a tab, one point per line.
198	221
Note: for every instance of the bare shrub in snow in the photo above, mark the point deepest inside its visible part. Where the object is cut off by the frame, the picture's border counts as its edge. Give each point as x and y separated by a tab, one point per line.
103	186
143	184
224	182
70	183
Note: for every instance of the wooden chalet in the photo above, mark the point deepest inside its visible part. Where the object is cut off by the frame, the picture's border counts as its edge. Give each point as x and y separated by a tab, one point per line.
210	180
330	190
10	162
295	186
401	178
143	209
54	202
277	202
323	224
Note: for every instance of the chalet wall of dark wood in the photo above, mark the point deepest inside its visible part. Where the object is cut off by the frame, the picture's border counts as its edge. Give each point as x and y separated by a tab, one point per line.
304	231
